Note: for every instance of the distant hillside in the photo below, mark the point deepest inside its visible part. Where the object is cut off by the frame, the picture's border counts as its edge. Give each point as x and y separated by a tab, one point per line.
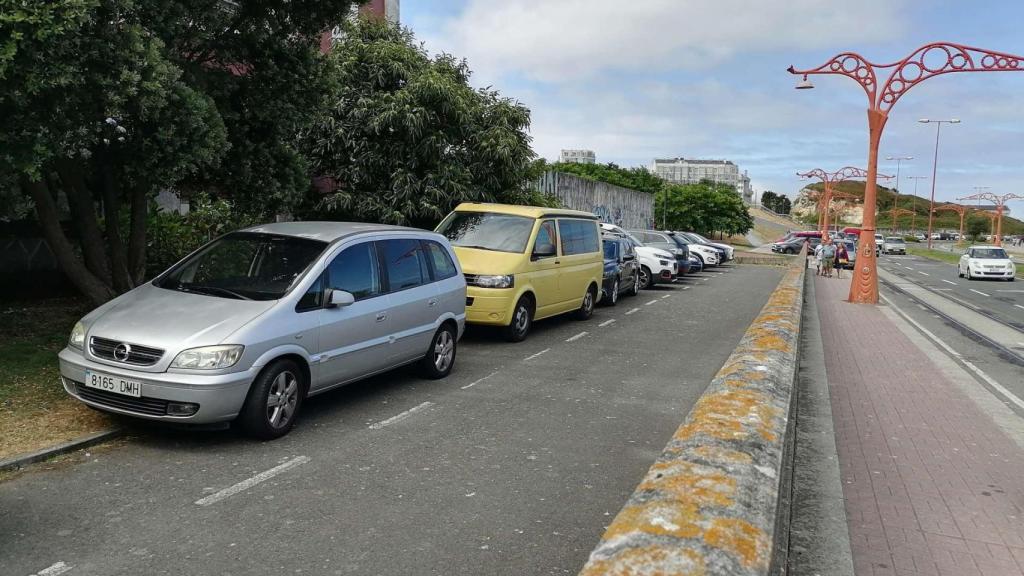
943	220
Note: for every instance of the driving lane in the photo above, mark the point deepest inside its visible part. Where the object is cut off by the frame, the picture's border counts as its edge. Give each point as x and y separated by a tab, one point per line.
514	464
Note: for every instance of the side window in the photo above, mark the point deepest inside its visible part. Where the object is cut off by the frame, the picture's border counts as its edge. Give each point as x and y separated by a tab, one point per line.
546	238
443	265
313	299
405	263
355	270
627	248
578	236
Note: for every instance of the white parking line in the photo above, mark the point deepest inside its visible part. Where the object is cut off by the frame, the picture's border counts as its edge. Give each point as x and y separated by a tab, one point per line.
628	312
977	292
544	351
606	322
1012	291
475	382
1019	306
402	416
942	289
250	482
949	282
998	387
923	273
577	337
54	570
649	303
666	296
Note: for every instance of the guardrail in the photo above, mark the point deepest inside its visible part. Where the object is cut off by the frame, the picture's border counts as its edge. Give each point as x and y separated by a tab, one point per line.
716	500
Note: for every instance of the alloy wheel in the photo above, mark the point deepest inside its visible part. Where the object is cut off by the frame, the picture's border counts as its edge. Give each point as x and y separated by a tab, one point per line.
444	351
282	399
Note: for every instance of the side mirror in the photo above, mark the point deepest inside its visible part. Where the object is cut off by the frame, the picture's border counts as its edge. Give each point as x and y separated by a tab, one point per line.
543	251
339	299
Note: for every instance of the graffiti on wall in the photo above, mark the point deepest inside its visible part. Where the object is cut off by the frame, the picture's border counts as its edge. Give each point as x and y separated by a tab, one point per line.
612	204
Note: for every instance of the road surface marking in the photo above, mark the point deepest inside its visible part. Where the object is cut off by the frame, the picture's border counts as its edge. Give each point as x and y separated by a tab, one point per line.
250	482
686	287
631	311
649	303
475	382
544	351
923	273
58	568
908	267
996	385
1013	291
605	323
666	296
1019	306
949	282
977	291
402	416
577	337
942	289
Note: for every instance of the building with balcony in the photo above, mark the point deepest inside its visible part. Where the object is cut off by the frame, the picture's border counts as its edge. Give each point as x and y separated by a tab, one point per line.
578	157
692	171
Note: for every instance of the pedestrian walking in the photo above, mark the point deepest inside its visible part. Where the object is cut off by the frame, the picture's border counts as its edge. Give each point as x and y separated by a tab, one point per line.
828	254
817	259
842	259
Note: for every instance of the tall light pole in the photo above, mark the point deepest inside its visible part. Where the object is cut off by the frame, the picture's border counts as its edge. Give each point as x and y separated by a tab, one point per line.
913	205
1000	202
927	61
935	164
895	196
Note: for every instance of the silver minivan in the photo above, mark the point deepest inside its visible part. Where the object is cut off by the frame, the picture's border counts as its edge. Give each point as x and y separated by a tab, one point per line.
252	323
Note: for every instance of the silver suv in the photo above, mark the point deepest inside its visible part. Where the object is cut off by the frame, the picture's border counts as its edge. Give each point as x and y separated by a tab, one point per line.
252	323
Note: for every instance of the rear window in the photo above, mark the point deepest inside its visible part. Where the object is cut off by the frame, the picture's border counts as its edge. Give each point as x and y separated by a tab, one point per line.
578	236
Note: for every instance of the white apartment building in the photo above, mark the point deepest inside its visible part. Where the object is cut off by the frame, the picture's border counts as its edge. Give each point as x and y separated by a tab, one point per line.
691	171
578	156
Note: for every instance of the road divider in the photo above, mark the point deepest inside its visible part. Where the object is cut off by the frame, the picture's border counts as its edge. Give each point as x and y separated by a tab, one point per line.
716	501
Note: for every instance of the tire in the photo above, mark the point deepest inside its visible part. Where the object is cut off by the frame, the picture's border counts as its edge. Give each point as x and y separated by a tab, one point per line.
635	290
586	309
440	357
613	298
790	251
645	278
969	276
959	274
522	320
274	401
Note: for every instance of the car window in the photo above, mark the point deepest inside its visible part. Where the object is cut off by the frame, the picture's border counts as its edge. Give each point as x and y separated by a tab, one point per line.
405	264
355	271
443	265
989	253
546	237
578	236
611	249
313	298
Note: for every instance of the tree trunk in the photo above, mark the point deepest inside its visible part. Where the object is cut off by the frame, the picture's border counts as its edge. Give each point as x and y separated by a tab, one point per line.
83	213
137	234
46	211
112	216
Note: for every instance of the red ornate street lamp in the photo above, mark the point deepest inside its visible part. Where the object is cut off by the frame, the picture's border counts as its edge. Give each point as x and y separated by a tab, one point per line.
896	213
829	179
959	209
925	62
1000	202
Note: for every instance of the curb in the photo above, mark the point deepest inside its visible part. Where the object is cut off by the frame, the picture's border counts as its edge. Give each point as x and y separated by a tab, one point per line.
716	500
38	456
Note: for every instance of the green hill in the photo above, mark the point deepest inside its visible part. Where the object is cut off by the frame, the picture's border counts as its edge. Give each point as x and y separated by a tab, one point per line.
943	220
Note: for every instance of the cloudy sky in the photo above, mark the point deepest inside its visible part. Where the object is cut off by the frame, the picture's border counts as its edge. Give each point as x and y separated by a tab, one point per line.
639	79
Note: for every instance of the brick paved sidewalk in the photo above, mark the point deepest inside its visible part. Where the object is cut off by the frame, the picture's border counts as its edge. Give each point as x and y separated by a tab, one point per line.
931	484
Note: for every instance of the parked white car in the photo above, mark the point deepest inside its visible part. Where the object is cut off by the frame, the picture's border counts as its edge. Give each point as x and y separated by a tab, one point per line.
879	240
656	265
986	262
894	245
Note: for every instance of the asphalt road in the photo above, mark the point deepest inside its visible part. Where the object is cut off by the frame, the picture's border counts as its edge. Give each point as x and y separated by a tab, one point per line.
514	464
1000	298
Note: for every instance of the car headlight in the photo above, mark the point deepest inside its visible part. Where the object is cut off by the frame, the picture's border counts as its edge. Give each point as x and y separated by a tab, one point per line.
663	262
77	339
492	281
209	357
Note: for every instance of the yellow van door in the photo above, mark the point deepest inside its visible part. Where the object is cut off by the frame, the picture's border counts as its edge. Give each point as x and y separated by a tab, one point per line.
580	244
543	269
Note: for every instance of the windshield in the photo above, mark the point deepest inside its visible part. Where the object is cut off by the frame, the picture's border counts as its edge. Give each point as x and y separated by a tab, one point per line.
989	254
698	238
244	266
892	240
487	231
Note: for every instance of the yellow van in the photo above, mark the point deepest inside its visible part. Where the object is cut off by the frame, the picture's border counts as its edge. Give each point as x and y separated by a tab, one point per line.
525	263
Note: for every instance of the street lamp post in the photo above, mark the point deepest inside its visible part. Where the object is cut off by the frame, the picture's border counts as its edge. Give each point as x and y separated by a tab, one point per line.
1000	202
925	62
935	164
895	196
913	205
829	179
897	213
959	209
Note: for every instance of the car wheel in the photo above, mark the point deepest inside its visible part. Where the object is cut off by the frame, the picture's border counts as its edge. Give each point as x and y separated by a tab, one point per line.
522	320
586	309
969	275
636	285
789	251
645	277
959	273
613	298
274	401
440	357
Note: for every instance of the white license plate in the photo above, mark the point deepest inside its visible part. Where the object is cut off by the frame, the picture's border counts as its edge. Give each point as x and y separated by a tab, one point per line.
111	383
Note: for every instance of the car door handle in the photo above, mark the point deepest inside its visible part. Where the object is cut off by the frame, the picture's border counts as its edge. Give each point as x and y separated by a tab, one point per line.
432	302
382	316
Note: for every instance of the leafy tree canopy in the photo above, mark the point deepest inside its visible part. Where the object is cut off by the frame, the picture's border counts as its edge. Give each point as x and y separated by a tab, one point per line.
633	178
704	207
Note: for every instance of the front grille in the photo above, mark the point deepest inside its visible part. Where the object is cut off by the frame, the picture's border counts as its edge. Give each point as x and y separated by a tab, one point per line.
143	405
138	355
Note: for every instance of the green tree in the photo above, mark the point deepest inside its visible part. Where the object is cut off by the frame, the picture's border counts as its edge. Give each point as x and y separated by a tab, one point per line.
633	178
977	227
404	137
105	102
704	207
769	199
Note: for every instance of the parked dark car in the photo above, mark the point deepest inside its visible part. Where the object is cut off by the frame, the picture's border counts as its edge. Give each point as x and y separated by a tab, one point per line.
667	241
695	265
621	270
794	245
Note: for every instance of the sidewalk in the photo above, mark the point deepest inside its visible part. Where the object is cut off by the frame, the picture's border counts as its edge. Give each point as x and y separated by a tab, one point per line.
932	485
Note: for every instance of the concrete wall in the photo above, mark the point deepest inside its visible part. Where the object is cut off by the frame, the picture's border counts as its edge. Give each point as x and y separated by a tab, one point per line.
613	204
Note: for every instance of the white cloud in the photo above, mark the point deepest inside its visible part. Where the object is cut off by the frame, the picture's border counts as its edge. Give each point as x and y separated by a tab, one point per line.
565	40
